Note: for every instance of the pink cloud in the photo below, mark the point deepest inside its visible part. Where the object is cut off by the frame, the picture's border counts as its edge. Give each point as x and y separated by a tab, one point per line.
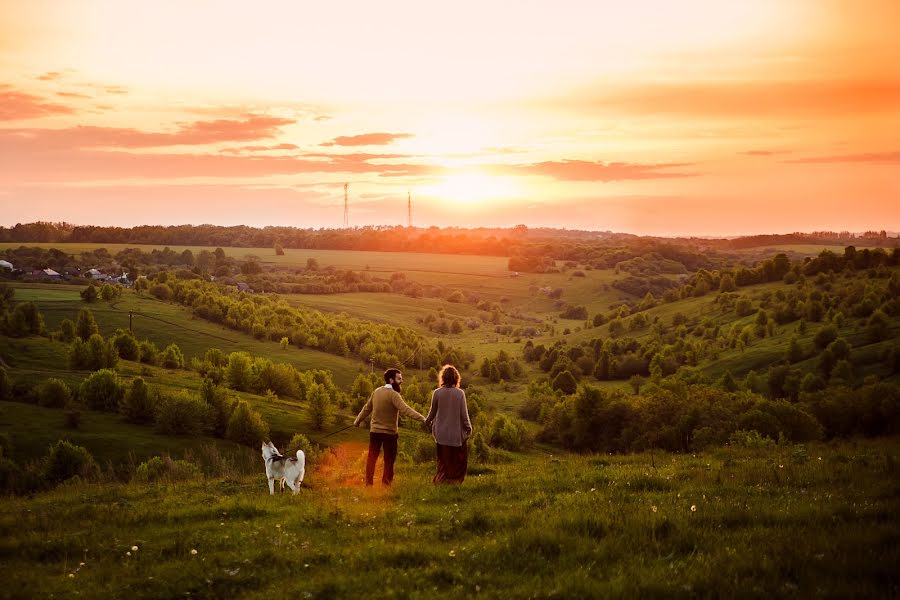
367	139
187	134
16	105
581	170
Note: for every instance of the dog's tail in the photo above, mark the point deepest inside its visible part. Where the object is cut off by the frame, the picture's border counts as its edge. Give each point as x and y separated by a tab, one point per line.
301	462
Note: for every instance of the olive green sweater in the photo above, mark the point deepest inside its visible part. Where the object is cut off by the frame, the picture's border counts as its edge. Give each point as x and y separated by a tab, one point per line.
385	405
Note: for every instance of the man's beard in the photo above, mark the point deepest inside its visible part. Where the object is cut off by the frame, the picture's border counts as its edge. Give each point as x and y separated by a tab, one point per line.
396	387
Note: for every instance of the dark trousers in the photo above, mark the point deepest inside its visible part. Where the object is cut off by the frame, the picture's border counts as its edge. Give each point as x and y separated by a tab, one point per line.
376	441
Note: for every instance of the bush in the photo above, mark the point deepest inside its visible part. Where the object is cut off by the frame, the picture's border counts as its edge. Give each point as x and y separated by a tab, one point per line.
172	357
67	331
24	320
73	418
126	345
95	353
5	445
54	393
148	352
750	439
565	383
66	461
319	406
181	413
86	325
103	390
137	404
506	433
480	449
220	406
246	426
165	469
424	451
161	291
312	452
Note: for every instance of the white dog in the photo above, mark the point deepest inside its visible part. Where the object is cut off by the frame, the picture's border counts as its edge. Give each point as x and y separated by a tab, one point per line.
284	469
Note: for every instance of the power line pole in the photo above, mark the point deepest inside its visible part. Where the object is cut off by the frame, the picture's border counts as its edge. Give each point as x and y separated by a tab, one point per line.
346	207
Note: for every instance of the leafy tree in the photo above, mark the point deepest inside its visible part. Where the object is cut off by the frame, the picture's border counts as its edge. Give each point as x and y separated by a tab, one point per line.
86	325
103	390
319	406
726	283
181	413
172	357
825	336
126	345
89	294
246	426
66	461
279	251
137	405
141	285
237	373
54	393
565	382
148	352
794	352
66	330
24	320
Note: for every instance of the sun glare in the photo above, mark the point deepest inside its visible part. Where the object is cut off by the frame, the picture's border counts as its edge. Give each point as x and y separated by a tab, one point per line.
473	188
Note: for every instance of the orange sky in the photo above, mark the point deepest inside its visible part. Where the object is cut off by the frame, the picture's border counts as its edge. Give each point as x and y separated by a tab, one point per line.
696	117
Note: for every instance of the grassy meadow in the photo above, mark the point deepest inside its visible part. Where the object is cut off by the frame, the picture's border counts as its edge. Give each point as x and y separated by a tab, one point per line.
819	520
755	519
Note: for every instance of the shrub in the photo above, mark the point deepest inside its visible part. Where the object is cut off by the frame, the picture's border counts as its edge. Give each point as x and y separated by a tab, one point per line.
161	291
246	426
220	406
66	461
5	445
95	353
24	320
424	451
86	325
137	404
73	418
319	406
565	383
126	345
148	352
103	390
480	449
506	433
165	469
67	330
181	413
54	393
313	452
172	357
750	439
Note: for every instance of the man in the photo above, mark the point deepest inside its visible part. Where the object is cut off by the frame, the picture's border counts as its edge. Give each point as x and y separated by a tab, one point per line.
385	405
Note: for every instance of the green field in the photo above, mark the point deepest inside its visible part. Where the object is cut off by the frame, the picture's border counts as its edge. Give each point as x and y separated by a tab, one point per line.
793	521
162	323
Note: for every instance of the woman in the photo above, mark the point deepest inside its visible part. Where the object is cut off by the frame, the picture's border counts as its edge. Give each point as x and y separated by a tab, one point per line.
449	422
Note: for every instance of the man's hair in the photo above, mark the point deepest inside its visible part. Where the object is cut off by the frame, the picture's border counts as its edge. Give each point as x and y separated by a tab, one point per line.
390	374
449	376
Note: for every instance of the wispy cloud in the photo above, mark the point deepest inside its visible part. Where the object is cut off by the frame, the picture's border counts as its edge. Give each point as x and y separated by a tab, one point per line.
367	139
186	134
865	157
764	152
582	170
16	105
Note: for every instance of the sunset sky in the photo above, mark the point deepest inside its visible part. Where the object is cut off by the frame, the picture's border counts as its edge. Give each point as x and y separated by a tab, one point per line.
696	117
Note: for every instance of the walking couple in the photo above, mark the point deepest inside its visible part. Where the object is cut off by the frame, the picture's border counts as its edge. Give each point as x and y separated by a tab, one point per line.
448	421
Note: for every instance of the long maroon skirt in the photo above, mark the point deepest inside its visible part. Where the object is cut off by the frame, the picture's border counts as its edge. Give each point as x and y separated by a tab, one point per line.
452	462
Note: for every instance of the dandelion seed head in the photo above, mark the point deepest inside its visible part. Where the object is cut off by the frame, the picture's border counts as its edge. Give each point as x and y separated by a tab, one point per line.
453	553
193	552
71	575
653	508
128	553
693	508
134	548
